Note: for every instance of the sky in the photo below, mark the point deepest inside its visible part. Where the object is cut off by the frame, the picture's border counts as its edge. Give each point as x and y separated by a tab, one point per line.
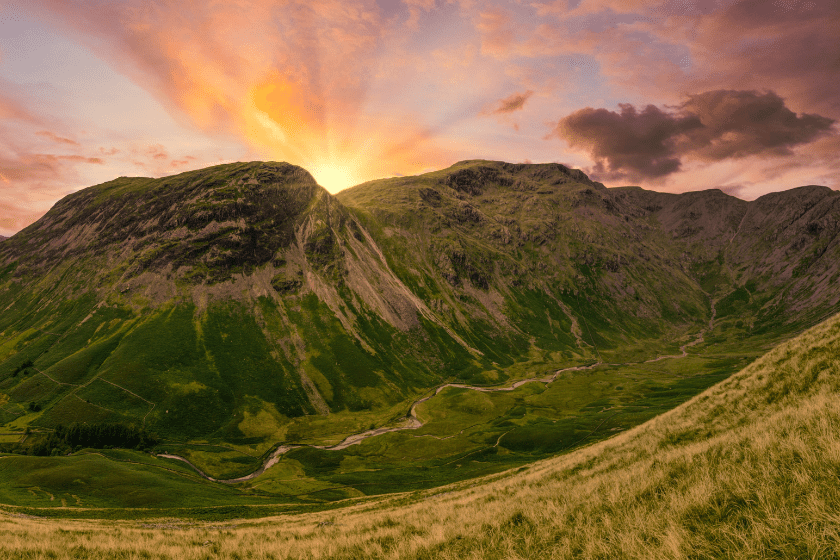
671	95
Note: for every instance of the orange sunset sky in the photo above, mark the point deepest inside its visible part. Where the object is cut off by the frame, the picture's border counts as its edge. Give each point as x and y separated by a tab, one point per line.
673	95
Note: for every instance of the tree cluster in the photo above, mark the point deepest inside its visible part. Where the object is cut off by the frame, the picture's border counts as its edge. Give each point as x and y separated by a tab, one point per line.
97	435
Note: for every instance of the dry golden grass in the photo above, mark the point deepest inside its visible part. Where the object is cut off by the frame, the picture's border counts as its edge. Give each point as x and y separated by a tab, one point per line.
747	469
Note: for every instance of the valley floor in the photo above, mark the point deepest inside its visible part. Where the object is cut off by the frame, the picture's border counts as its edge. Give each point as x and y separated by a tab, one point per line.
413	422
747	469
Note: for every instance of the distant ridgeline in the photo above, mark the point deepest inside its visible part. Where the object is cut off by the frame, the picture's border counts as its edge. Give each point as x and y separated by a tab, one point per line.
243	303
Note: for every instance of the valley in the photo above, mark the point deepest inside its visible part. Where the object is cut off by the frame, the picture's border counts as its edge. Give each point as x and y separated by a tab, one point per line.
413	422
747	465
406	334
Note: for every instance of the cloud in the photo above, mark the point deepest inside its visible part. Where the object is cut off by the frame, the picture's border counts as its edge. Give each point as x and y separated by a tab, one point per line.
290	78
157	151
37	166
509	104
416	9
204	60
636	143
30	183
367	88
42	170
737	124
74	158
496	27
56	138
156	160
14	217
11	108
660	49
552	8
182	162
711	126
782	44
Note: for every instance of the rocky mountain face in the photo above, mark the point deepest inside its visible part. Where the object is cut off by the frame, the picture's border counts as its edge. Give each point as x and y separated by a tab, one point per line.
243	302
773	260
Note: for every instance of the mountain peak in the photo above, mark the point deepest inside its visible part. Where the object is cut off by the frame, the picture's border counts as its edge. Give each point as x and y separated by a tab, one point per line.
222	217
464	175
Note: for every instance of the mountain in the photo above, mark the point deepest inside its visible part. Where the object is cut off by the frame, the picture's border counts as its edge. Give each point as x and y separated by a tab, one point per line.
243	305
783	245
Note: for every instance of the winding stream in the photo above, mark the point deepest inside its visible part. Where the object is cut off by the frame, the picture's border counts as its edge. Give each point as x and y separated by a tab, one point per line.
412	422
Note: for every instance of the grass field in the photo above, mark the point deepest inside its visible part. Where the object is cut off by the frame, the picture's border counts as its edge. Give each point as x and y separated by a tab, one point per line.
465	434
748	468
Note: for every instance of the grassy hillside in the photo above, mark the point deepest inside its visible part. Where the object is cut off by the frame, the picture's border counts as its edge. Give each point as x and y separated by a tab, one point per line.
235	310
748	468
241	305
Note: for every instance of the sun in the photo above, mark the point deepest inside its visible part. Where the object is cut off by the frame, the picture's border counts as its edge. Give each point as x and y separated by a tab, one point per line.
334	176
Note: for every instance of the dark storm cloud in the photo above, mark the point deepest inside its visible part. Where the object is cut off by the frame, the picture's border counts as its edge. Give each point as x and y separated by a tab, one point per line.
711	126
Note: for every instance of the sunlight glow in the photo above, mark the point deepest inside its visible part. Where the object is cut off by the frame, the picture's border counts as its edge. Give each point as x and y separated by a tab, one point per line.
278	121
333	176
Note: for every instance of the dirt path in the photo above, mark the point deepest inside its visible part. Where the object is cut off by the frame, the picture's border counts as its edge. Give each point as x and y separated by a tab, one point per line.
96	378
412	422
55	380
136	395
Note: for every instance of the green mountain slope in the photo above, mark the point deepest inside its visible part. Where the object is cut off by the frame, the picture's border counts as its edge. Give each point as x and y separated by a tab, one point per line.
241	306
196	303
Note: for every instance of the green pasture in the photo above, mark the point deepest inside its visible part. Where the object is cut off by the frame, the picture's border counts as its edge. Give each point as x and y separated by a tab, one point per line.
99	480
466	433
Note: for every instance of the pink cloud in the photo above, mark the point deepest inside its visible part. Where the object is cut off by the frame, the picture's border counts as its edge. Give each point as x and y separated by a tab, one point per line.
14	218
497	35
11	108
377	86
416	8
290	78
553	8
182	162
56	138
31	182
711	126
745	44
